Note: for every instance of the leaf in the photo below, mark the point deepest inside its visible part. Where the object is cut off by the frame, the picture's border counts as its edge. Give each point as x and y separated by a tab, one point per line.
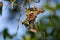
27	37
57	6
6	34
49	8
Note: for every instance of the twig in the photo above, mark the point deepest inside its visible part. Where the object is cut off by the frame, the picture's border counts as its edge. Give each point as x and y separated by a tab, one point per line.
21	7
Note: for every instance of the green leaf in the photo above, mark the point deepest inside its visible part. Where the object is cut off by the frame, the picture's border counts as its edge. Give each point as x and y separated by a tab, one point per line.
49	8
6	34
57	6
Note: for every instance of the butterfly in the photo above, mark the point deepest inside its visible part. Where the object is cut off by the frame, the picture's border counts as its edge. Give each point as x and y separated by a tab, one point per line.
31	14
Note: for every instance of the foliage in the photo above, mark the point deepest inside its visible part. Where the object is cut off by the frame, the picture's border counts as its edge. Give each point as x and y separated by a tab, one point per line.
49	29
57	6
6	34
